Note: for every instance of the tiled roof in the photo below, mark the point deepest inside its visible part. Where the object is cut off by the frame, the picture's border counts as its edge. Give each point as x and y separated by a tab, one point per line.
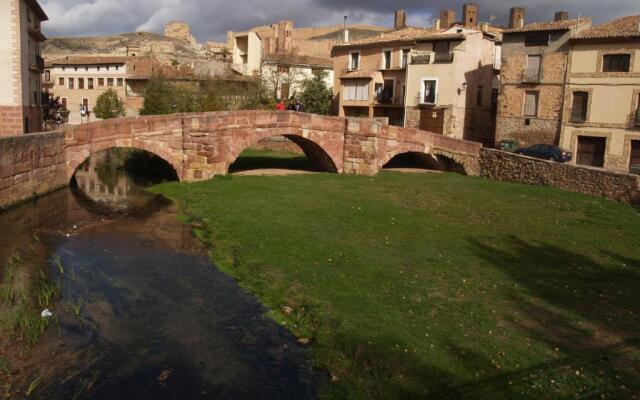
564	25
295	59
625	27
87	60
408	34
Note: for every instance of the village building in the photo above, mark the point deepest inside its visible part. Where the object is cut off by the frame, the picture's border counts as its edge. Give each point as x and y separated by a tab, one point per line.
533	69
601	119
79	81
21	66
443	79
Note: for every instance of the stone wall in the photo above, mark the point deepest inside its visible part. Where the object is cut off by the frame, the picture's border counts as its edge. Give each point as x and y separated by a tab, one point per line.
31	165
509	167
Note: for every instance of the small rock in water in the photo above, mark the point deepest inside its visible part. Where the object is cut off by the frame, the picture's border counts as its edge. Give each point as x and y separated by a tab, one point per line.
46	313
164	375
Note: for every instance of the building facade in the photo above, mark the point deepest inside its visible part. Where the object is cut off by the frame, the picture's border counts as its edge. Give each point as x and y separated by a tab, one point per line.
533	69
21	66
442	80
601	119
285	73
79	81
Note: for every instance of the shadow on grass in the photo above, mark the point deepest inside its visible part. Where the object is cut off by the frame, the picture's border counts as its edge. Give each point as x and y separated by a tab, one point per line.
585	309
250	160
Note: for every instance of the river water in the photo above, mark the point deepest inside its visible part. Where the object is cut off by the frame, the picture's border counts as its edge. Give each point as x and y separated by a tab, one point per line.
144	314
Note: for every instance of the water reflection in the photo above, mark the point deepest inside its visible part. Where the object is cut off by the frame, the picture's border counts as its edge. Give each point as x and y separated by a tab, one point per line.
144	314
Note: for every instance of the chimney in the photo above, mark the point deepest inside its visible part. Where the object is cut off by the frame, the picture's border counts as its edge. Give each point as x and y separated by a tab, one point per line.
447	18
436	25
516	17
484	27
345	36
400	19
470	15
561	16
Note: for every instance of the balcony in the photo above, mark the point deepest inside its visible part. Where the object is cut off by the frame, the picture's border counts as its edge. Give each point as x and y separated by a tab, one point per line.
135	93
37	65
443	58
421	58
532	75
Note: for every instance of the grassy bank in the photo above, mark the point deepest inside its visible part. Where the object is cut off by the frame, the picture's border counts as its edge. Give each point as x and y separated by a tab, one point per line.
436	285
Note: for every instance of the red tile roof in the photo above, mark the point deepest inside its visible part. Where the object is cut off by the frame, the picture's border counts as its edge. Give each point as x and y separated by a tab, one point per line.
87	60
625	27
295	59
564	25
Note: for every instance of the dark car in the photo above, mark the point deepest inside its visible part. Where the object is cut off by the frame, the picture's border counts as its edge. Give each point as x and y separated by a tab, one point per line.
546	152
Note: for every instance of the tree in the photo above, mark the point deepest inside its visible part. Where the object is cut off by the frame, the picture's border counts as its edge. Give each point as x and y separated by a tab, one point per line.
161	97
316	95
108	105
256	96
275	75
53	112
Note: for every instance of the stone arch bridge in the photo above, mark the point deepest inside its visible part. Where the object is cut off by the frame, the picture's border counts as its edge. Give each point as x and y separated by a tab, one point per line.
202	145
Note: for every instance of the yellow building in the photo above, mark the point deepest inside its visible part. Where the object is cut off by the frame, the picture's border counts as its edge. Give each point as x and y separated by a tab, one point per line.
601	116
20	66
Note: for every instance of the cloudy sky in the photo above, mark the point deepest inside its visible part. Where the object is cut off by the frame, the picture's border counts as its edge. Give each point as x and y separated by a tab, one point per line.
211	19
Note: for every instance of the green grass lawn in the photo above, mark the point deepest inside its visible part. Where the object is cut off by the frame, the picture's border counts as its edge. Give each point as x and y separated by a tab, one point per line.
436	285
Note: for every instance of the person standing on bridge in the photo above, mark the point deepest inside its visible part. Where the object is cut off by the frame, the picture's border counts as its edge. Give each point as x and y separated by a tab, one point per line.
280	106
297	106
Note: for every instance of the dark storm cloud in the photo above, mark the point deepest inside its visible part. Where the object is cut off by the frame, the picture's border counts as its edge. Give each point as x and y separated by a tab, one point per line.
210	19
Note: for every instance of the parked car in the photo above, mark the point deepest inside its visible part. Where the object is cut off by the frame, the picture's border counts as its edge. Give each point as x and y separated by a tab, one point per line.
546	152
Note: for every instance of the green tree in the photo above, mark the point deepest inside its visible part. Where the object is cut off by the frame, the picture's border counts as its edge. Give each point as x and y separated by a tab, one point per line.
108	105
316	95
53	113
158	97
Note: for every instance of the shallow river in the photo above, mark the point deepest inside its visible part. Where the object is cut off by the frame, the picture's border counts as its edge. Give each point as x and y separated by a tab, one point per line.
144	314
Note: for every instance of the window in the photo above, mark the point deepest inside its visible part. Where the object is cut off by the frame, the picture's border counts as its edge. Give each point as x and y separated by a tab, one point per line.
386	59
532	74
75	68
107	67
283	69
98	68
61	81
89	83
86	68
536	39
47	76
71	83
356	90
443	52
109	81
354	61
531	104
405	57
616	62
479	91
100	81
80	83
429	91
441	47
120	81
117	67
64	103
580	106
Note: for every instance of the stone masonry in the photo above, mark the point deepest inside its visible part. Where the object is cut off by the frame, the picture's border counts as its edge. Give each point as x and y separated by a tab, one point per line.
200	146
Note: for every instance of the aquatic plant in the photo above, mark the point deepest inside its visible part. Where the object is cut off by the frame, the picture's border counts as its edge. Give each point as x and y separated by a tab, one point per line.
58	262
86	384
35	382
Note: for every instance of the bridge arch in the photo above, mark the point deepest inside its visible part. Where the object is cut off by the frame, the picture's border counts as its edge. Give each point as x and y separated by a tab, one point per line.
434	159
81	156
317	155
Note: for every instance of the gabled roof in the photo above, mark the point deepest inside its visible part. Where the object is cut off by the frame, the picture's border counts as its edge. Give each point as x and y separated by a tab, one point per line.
564	25
87	60
625	27
37	10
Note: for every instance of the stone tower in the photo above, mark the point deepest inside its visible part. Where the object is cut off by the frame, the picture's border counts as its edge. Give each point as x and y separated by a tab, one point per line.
447	18
400	20
516	17
285	36
470	15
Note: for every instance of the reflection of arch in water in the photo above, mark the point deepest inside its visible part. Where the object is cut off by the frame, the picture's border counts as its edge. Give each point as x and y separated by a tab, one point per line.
318	157
86	154
420	160
91	180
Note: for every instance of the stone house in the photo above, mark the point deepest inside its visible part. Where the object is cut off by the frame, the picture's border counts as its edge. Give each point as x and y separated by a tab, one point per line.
441	79
601	119
21	66
285	73
533	69
80	80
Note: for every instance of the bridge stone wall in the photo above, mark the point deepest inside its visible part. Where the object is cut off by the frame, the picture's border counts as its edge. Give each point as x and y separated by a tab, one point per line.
31	165
200	146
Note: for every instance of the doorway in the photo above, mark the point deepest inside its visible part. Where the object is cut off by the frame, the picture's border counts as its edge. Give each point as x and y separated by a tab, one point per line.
591	151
